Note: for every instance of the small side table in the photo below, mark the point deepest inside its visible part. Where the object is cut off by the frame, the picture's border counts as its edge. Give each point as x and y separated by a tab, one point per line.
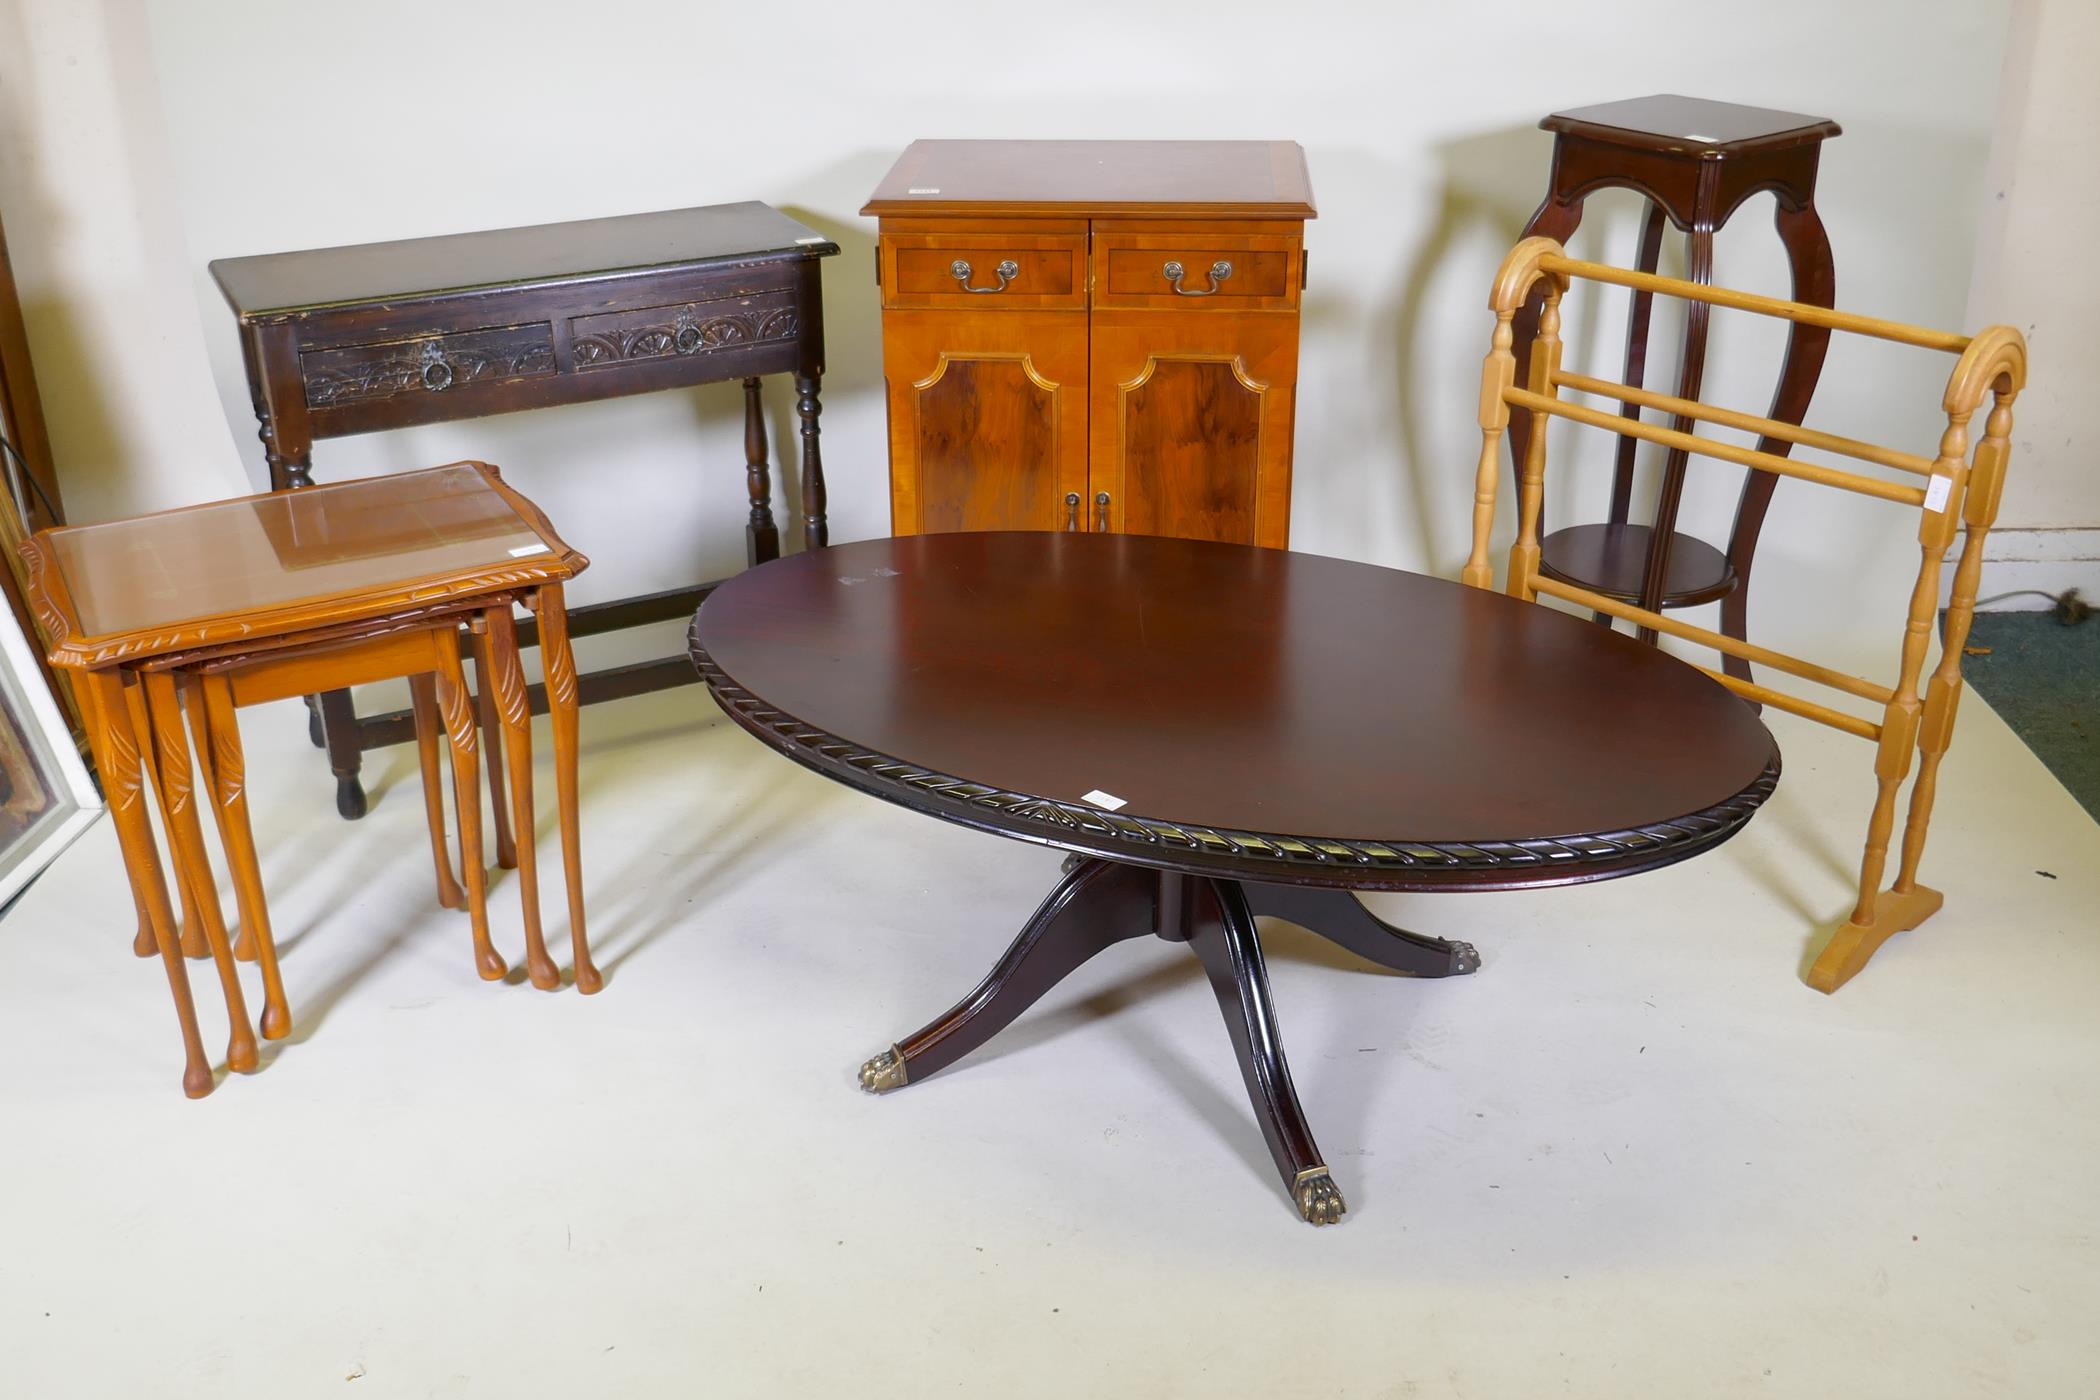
1695	162
432	330
317	589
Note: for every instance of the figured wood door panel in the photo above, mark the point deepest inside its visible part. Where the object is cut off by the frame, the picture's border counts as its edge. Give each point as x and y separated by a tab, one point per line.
987	419
1191	421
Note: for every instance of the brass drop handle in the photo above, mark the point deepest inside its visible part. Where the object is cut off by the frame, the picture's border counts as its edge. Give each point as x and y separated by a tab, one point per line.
1071	510
437	370
1174	272
1006	272
1101	513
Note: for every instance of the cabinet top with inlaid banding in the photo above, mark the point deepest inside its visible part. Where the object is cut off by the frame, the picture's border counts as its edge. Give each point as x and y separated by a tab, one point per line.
1130	179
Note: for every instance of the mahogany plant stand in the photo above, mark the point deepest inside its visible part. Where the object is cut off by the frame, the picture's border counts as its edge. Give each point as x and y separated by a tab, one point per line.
1695	162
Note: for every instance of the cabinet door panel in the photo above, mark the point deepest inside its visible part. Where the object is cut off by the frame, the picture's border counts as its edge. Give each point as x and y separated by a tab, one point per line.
1191	423
987	419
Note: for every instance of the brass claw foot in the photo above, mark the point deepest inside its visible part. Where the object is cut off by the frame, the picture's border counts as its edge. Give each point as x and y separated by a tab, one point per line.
1319	1199
883	1073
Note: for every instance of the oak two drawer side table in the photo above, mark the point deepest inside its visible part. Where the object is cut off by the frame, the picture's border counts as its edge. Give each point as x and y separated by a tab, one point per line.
431	330
1093	335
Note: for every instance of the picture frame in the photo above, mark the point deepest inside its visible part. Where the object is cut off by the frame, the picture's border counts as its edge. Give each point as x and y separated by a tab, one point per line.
46	795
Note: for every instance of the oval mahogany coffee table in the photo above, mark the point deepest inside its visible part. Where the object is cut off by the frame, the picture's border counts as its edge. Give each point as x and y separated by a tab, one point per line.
1218	732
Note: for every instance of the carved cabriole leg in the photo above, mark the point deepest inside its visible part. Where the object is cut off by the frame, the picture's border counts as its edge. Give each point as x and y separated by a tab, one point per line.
1815	283
492	743
88	696
1876	919
192	864
1637	319
1496	375
761	535
458	711
118	755
422	703
345	755
516	713
192	939
816	531
1340	918
559	664
218	738
1096	906
1225	942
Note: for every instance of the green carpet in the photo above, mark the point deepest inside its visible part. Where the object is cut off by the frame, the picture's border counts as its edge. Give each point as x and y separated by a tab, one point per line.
2044	679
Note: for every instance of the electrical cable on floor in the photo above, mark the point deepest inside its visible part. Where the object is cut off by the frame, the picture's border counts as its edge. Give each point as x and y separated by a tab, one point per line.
2070	609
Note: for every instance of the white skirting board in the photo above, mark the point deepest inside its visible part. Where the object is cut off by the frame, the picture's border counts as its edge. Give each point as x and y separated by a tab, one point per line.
2045	561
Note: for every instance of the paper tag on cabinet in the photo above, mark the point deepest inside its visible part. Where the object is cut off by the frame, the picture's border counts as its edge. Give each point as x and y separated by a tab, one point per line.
1106	801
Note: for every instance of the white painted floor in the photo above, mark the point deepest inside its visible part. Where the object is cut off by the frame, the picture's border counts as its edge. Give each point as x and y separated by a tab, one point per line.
1633	1156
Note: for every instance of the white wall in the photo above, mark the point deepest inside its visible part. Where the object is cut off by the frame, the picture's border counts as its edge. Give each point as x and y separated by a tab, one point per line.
302	125
2034	270
102	262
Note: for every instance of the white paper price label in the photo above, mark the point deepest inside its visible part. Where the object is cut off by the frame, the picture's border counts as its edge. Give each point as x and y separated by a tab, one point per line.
1936	494
1106	801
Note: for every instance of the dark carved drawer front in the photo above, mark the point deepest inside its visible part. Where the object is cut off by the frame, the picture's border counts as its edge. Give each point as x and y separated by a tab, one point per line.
357	374
683	328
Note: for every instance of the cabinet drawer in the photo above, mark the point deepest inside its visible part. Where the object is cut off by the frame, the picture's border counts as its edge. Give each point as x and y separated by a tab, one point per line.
349	375
984	272
1197	271
615	338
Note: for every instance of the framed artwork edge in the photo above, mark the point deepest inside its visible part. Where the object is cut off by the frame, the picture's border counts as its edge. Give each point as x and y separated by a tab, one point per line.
66	774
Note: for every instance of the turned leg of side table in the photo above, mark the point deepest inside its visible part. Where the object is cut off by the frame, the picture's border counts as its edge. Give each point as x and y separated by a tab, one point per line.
515	711
346	755
761	535
560	667
816	530
118	755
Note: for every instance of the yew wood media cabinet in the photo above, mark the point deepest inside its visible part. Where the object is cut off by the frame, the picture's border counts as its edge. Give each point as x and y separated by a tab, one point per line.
1093	335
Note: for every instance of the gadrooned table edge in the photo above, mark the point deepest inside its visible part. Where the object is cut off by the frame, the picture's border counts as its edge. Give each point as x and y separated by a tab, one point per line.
1371	864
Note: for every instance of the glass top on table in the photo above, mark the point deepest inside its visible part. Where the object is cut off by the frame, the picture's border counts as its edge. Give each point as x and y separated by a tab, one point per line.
264	553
